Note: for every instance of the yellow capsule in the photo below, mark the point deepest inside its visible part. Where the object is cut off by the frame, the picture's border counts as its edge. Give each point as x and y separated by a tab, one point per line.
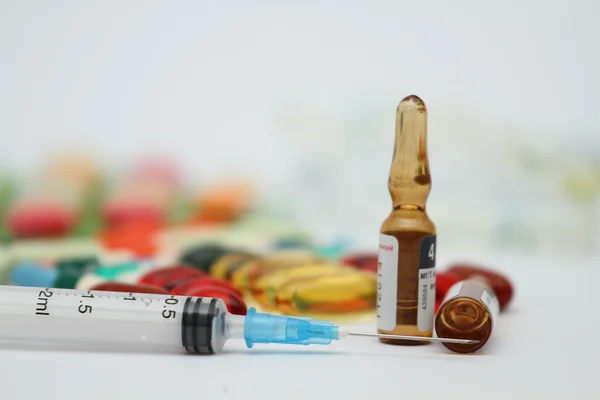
244	276
266	284
227	264
267	269
269	265
341	293
239	277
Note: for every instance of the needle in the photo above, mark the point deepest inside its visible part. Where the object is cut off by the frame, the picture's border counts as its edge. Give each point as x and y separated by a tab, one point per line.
416	338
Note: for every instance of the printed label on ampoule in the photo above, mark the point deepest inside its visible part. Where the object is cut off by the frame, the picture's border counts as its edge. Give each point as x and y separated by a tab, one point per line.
426	284
387	282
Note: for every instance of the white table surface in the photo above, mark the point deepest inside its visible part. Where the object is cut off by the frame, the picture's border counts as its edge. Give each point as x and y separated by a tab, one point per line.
544	346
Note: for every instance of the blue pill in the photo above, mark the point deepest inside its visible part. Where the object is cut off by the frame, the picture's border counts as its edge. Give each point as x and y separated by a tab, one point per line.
28	273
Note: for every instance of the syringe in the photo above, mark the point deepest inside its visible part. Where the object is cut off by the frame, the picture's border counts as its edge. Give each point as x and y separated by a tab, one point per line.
130	321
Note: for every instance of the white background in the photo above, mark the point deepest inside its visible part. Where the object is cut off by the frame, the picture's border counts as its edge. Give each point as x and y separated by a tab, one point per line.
301	97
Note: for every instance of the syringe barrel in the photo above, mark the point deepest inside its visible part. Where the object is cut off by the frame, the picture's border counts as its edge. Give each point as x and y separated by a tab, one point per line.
111	320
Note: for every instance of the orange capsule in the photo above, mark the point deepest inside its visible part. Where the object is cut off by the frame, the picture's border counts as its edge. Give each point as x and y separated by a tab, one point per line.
128	288
137	237
234	303
225	202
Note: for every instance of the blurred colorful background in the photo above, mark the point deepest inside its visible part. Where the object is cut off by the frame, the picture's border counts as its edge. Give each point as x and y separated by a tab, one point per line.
297	100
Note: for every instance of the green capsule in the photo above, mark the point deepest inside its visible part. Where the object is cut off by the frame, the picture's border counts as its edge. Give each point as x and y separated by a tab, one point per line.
181	209
7	193
113	271
71	270
5	266
90	218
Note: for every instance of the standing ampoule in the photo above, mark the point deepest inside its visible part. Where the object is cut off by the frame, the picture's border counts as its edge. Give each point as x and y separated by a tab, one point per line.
407	240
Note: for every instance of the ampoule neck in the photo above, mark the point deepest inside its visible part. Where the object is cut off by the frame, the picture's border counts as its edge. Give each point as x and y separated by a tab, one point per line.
409	180
409	207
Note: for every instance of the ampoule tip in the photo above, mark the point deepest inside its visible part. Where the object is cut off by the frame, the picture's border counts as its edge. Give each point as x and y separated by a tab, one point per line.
412	103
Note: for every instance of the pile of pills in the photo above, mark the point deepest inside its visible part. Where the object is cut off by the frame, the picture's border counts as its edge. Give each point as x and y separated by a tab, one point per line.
147	234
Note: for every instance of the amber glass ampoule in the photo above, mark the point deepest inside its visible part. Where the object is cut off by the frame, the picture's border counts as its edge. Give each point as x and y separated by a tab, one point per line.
469	311
407	240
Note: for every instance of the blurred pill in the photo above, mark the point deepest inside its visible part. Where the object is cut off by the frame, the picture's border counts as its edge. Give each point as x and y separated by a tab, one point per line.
180	280
89	280
121	213
133	276
32	274
290	243
75	167
157	167
224	266
64	274
280	259
7	194
138	237
341	293
162	277
51	206
334	249
117	267
128	288
144	195
40	220
499	283
5	267
224	202
72	269
203	256
288	256
244	276
443	281
112	272
235	304
239	276
266	284
365	261
184	287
